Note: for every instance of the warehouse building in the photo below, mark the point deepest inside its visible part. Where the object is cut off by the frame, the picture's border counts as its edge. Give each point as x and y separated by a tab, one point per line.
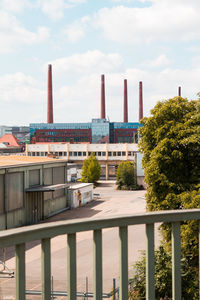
31	189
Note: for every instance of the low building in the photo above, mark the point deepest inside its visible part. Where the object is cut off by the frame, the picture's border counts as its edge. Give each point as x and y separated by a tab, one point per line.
80	194
31	189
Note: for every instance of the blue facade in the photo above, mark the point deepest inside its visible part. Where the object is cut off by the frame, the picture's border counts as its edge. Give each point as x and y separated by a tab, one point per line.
97	131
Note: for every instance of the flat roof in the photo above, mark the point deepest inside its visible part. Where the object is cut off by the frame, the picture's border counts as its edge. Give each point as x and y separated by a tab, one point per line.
47	188
15	160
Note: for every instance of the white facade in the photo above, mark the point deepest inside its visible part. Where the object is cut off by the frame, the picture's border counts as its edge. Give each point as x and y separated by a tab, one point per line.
78	152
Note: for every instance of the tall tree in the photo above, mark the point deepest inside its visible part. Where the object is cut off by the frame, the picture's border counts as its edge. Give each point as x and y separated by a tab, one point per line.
91	169
170	143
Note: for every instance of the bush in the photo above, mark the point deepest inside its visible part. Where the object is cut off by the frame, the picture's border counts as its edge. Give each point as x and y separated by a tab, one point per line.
91	170
126	176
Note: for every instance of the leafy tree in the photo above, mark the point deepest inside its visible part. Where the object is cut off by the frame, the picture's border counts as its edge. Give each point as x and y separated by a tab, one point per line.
126	175
91	169
170	142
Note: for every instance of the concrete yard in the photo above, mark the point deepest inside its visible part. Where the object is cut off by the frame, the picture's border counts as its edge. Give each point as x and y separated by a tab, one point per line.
110	203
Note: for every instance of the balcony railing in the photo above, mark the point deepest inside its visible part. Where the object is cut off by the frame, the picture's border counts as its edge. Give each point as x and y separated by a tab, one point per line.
45	232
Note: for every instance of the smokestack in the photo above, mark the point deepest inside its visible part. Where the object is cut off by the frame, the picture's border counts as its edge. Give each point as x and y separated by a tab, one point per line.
125	102
179	91
140	101
49	96
103	109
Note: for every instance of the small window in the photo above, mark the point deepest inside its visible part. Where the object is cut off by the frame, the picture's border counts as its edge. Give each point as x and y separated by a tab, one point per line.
109	153
75	153
129	153
70	153
114	153
79	153
123	153
103	153
99	153
65	153
84	153
119	153
60	153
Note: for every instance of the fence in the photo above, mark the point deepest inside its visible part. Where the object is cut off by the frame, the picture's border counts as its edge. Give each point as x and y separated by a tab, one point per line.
45	232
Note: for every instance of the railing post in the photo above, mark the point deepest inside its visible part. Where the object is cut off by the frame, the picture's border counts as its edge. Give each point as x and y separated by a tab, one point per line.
97	242
20	272
71	266
176	261
150	263
46	269
123	241
199	260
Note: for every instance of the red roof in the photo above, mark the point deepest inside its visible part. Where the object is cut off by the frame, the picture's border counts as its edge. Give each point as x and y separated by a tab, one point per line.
9	140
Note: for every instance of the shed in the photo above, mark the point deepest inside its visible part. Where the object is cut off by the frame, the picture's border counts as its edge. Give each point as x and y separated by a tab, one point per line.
80	194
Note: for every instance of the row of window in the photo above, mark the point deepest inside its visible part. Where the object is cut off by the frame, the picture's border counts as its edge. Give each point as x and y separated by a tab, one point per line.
83	153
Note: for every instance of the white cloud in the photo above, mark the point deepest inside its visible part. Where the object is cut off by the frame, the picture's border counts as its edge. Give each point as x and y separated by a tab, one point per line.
54	9
160	21
13	34
19	88
159	61
76	30
15	6
88	63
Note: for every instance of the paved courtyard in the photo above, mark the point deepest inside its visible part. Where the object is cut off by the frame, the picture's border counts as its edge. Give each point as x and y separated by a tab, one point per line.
111	202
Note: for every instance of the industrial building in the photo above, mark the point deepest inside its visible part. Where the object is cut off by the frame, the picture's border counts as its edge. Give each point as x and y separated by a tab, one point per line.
98	130
31	189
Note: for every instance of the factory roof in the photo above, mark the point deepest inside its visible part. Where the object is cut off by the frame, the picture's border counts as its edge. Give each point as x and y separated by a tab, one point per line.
15	160
9	140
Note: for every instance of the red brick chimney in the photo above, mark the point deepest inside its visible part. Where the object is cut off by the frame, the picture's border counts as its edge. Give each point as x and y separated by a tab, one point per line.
125	102
179	91
49	96
103	109
140	101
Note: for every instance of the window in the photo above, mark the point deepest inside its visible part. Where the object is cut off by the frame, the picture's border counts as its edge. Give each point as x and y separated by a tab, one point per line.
103	153
75	153
109	153
119	153
79	153
84	153
99	153
123	153
114	153
70	153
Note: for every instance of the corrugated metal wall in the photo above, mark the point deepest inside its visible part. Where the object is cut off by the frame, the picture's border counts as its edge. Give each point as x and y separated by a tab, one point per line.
1	194
14	191
59	177
48	180
34	177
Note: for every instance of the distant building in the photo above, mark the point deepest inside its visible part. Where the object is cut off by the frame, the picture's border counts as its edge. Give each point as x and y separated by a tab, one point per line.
10	144
98	131
5	129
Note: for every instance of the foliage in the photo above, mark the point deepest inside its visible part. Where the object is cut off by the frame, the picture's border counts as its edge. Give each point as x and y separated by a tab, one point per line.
126	176
163	277
91	169
170	143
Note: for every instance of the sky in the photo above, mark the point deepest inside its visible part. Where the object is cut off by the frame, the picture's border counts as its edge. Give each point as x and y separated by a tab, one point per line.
156	42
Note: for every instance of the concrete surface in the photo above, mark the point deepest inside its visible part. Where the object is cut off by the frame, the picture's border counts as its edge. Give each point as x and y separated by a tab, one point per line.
111	202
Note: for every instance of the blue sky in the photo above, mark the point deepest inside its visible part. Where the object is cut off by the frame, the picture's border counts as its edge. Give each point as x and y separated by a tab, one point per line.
155	41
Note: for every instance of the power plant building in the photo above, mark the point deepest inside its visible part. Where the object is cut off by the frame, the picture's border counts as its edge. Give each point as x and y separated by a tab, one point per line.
99	130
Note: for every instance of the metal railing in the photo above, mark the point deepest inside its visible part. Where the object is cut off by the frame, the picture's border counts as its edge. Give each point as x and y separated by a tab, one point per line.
45	232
